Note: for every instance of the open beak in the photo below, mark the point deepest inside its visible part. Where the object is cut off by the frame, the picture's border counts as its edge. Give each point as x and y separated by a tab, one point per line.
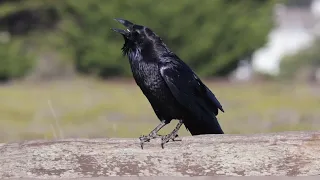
126	23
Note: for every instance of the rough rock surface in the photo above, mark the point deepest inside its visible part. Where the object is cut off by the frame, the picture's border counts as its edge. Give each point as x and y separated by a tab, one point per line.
288	153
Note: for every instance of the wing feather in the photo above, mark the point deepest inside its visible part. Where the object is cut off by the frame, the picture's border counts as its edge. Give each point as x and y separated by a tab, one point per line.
189	91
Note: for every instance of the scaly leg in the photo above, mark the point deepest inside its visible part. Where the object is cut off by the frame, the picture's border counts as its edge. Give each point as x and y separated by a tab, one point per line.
152	135
172	135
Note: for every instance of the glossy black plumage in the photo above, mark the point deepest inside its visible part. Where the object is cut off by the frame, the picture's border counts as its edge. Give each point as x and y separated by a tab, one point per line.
172	88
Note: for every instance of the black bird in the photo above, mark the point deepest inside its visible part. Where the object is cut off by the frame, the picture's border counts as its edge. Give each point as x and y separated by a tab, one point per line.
172	88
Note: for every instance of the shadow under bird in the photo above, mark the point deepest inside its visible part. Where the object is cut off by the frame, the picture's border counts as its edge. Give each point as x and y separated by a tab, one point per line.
174	91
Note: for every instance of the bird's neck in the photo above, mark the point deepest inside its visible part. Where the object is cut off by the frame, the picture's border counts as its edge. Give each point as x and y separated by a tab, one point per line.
134	54
157	48
147	52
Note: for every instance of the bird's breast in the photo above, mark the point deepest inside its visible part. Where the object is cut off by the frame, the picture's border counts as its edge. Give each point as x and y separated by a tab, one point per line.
153	86
148	76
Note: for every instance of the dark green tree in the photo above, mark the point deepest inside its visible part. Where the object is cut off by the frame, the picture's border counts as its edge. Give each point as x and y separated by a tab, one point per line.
210	35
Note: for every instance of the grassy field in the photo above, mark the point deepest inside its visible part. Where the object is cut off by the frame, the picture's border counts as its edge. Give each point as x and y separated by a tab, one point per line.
92	108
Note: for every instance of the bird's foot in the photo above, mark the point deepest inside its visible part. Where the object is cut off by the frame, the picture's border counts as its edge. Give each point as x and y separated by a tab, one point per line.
172	136
147	138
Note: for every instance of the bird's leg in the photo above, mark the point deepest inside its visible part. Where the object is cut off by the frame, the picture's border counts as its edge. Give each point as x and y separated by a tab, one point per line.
153	134
172	135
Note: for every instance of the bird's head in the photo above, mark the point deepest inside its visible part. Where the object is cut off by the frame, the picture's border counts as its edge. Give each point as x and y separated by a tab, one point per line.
135	36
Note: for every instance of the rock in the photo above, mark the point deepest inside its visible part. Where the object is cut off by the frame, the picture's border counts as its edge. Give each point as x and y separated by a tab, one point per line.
287	153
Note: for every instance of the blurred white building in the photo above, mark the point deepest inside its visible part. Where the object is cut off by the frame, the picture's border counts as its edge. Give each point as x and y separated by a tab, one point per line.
296	27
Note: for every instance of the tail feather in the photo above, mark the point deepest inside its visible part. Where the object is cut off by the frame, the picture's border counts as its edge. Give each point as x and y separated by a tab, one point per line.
205	125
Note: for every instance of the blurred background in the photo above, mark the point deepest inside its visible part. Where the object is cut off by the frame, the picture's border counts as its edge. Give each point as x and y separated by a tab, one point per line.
62	73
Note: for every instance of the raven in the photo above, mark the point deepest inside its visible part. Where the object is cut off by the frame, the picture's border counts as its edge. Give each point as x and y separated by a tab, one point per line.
174	91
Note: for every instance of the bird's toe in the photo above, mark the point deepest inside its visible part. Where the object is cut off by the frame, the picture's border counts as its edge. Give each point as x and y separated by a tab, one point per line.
164	140
174	138
144	138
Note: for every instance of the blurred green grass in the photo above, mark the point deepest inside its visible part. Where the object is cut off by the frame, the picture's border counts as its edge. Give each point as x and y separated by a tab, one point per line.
94	108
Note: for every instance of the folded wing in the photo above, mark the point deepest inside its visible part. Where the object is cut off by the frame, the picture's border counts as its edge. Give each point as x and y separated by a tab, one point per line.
189	91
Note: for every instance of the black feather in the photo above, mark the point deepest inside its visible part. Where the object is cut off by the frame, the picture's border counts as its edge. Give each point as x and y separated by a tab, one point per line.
172	88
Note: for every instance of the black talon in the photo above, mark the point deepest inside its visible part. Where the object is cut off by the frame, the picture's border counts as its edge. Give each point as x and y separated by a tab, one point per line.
143	139
165	139
174	138
171	136
147	138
